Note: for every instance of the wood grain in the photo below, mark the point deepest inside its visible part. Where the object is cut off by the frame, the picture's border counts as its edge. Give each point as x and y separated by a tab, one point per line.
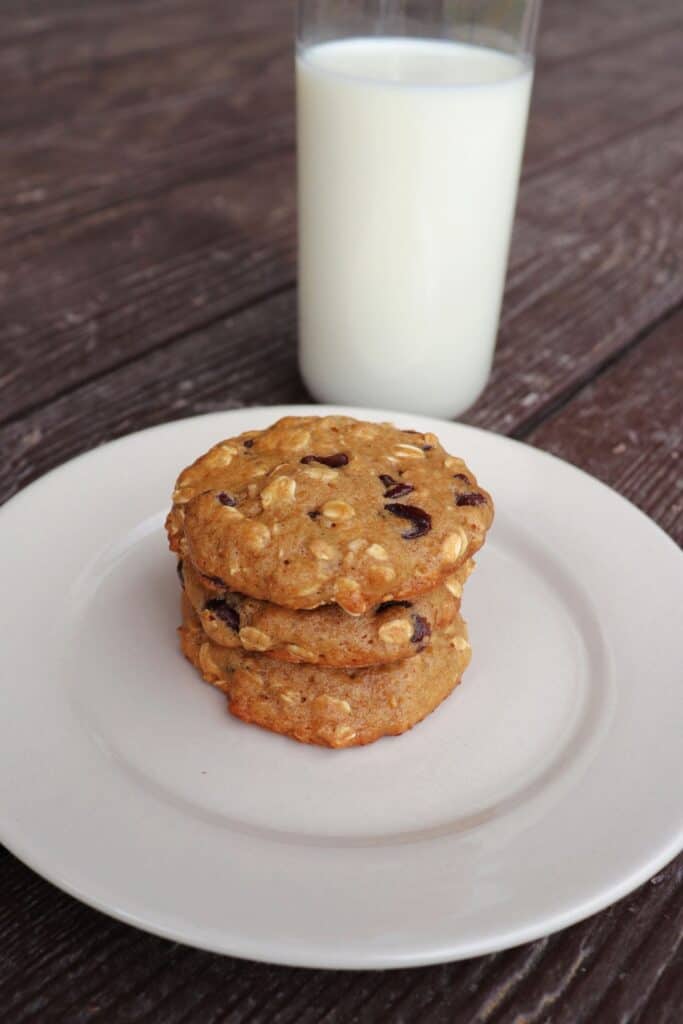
607	262
602	26
626	427
570	29
586	287
203	116
52	43
146	216
620	967
100	207
243	360
102	86
579	246
141	276
598	97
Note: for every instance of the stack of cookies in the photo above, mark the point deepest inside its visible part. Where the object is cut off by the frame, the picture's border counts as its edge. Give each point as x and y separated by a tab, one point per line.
322	562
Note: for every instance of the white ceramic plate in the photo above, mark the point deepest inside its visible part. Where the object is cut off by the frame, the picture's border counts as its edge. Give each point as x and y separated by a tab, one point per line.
546	787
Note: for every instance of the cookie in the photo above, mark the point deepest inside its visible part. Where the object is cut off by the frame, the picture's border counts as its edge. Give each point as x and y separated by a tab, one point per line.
329	707
326	635
322	510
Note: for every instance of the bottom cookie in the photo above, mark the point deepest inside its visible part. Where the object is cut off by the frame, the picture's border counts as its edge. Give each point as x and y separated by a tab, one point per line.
330	707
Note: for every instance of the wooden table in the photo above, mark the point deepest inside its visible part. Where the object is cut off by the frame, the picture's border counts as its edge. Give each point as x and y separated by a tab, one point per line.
148	273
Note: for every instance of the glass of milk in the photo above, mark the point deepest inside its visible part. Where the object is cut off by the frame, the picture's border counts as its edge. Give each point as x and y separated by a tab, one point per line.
410	120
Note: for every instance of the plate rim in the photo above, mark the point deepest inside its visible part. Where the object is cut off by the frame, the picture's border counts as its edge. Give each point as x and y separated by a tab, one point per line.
279	956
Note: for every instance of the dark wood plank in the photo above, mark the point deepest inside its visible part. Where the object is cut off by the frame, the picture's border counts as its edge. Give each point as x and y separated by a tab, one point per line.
592	26
667	996
67	173
40	42
606	261
559	320
572	105
250	358
48	99
542	356
586	102
203	107
582	249
245	359
79	966
626	427
569	29
117	236
140	276
200	220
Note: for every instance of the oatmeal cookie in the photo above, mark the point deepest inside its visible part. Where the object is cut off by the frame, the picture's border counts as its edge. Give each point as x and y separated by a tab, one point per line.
325	706
322	510
326	635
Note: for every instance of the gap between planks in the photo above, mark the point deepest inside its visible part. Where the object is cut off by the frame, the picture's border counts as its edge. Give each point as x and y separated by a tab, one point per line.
559	402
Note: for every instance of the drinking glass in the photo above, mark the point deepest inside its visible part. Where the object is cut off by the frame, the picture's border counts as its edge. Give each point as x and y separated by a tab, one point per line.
411	116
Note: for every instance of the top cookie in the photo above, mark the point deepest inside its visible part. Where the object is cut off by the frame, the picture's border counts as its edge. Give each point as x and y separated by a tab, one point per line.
319	510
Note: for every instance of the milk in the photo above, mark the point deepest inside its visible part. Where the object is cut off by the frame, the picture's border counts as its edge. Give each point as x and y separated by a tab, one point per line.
409	156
